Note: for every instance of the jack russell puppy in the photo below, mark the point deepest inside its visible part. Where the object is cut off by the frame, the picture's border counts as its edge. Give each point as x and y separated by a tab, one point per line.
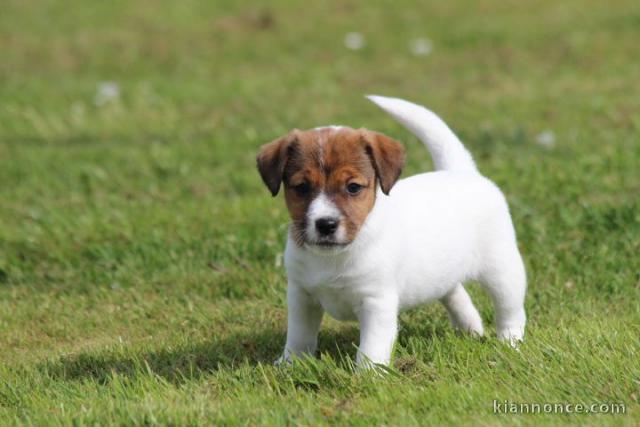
364	246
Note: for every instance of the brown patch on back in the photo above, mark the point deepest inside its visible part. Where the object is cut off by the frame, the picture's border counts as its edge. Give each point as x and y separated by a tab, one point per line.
329	160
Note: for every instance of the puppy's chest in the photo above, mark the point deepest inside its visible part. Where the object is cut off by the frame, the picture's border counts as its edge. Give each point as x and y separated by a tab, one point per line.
339	292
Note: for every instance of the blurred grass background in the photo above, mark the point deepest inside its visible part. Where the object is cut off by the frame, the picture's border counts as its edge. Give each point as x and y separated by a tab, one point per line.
140	255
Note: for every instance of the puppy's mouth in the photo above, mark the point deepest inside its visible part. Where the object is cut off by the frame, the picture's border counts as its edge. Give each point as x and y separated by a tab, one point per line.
326	243
326	249
329	244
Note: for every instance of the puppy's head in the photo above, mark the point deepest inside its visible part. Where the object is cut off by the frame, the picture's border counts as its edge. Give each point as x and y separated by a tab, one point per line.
330	176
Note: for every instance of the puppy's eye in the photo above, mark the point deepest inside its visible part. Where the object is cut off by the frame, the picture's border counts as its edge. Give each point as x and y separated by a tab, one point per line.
302	189
354	188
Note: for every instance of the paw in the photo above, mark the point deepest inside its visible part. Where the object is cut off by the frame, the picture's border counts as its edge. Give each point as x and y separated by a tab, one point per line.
364	363
284	360
511	336
473	328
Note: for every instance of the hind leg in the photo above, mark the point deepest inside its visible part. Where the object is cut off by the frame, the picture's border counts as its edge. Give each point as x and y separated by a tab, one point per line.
506	282
462	313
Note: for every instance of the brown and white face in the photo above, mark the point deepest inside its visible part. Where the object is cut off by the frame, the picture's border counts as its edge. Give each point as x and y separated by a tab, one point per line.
330	176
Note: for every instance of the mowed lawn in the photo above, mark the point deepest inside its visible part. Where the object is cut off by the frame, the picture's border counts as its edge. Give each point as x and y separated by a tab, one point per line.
141	277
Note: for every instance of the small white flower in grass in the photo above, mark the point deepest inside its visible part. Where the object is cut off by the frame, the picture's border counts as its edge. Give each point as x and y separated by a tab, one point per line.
107	93
546	139
421	46
354	41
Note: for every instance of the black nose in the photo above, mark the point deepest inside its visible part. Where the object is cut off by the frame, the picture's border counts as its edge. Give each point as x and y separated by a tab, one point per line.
326	225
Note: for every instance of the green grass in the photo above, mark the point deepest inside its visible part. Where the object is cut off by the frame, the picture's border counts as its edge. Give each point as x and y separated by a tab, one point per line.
140	274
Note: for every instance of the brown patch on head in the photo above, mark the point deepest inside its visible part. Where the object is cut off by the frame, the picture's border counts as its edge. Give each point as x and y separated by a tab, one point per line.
343	164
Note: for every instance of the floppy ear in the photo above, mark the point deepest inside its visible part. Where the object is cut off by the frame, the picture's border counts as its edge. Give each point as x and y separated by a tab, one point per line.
387	156
272	159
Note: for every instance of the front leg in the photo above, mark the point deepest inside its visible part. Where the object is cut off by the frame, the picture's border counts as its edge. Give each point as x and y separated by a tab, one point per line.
378	329
304	316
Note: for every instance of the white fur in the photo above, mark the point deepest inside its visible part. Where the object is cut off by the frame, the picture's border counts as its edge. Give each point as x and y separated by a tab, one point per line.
434	232
332	127
323	207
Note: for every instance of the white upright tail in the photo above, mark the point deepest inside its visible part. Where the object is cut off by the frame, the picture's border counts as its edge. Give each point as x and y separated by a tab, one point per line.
446	149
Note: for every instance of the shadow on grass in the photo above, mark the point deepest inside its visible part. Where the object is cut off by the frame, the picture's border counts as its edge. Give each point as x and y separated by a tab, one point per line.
192	361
